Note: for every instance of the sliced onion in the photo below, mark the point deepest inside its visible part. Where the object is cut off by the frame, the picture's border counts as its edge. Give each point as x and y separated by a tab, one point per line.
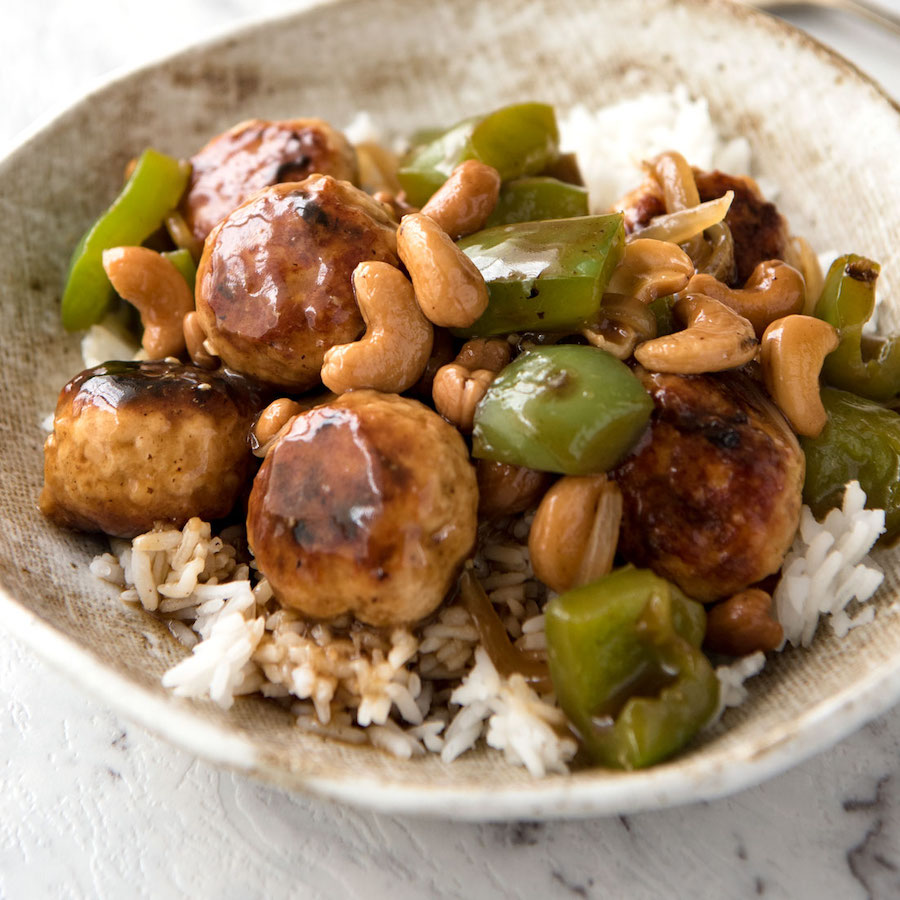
506	658
679	227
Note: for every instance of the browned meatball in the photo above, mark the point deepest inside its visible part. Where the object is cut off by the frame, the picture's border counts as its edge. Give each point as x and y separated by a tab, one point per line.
274	288
137	443
712	496
366	505
759	231
255	154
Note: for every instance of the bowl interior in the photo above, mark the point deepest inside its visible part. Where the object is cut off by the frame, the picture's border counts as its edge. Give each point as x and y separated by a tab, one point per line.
803	111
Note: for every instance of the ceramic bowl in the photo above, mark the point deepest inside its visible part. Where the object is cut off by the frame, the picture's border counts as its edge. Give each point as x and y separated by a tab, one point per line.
818	129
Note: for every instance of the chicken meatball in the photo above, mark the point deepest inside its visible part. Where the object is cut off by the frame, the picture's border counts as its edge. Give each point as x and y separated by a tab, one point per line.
759	231
138	443
274	287
367	504
254	155
712	496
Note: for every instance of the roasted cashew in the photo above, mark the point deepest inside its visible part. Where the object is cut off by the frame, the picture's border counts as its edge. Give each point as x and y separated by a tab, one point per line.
679	186
803	258
715	338
772	291
624	323
182	236
377	168
575	531
651	269
392	354
484	353
743	624
195	341
793	350
679	227
459	386
505	490
457	391
462	204
270	423
150	283
449	288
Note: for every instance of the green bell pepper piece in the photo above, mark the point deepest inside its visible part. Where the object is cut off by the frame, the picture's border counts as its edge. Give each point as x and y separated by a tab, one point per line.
860	441
536	198
516	140
626	665
155	187
544	276
663	310
184	262
567	408
847	302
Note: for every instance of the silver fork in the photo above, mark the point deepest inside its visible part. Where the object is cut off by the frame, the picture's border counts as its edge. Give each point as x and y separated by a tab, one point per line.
877	15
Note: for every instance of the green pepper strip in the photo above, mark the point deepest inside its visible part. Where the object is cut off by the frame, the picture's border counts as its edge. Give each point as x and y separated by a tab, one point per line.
516	140
860	442
536	198
570	409
626	665
847	303
155	187
184	262
544	276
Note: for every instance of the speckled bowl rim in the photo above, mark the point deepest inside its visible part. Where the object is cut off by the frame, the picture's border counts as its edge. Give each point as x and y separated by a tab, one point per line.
585	794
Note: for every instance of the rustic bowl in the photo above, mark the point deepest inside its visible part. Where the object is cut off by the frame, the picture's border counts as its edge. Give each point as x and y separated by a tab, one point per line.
819	129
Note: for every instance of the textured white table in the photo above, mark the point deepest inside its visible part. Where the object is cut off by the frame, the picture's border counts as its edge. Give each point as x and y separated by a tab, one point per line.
93	806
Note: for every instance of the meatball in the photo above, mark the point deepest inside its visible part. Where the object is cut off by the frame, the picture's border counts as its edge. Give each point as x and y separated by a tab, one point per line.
254	155
712	496
137	443
759	231
367	504
274	287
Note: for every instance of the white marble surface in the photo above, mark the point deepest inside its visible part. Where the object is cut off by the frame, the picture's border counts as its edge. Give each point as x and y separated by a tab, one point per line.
93	806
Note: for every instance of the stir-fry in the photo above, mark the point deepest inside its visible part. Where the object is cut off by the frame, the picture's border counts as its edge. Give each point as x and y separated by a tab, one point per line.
402	383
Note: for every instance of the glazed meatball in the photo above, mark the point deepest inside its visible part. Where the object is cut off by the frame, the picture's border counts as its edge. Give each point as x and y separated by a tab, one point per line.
712	496
274	287
759	231
254	155
138	443
367	504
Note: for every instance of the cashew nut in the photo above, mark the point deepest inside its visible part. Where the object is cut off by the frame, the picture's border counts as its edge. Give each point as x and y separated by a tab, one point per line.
151	284
449	288
679	227
716	338
505	490
485	353
270	423
377	168
575	531
773	290
651	269
457	391
393	352
462	204
802	257
793	350
459	386
743	624
625	322
195	341
676	178
182	236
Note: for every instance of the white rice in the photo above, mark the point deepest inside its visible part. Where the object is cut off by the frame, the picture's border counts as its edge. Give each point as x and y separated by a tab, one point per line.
827	568
612	142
